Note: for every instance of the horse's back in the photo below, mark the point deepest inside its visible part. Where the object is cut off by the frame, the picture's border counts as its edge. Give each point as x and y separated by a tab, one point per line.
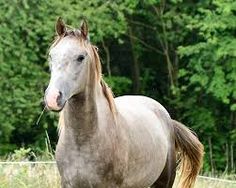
139	101
146	125
143	110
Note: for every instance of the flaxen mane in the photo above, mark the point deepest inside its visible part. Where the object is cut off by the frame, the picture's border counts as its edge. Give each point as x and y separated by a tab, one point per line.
105	88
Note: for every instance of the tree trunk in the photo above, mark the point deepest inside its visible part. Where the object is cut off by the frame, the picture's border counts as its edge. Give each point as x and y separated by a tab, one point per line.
232	157
227	156
135	66
211	156
108	59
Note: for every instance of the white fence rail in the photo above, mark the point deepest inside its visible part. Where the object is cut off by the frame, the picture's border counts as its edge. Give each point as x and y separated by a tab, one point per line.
26	162
217	179
53	162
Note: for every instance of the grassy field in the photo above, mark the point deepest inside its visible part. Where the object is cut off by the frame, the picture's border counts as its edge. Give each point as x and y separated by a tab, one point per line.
46	176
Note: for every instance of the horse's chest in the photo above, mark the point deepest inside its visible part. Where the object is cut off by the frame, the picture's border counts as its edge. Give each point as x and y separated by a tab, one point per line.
78	172
85	167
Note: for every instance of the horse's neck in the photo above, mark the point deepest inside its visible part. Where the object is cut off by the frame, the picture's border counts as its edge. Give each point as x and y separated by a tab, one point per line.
85	112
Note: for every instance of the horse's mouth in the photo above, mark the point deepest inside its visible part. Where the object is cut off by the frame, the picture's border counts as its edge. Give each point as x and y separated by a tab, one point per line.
56	108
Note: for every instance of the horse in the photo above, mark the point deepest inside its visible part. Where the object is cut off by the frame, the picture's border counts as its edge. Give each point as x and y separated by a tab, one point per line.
106	142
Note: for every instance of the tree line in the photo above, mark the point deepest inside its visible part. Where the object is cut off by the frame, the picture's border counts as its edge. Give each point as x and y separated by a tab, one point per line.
181	53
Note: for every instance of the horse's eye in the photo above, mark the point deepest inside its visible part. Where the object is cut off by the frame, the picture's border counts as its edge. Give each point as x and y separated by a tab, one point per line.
80	58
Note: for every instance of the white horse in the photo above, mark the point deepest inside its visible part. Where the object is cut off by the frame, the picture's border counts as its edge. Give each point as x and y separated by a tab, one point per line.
126	142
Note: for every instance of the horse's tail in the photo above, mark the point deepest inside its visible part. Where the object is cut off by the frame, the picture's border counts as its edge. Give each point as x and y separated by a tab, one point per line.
191	154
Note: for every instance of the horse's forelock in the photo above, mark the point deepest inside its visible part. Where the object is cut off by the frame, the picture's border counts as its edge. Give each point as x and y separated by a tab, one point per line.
73	32
69	32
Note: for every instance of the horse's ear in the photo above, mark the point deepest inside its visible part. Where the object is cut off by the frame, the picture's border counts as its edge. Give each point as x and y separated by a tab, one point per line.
84	28
60	27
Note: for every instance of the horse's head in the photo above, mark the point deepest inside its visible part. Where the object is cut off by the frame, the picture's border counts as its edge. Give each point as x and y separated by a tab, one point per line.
71	58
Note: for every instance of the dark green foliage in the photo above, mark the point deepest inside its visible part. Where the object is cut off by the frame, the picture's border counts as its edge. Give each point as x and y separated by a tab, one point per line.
182	53
27	29
22	73
209	71
119	85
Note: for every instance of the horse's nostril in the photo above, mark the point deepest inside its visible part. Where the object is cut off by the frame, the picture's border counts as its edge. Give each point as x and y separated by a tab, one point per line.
60	94
59	99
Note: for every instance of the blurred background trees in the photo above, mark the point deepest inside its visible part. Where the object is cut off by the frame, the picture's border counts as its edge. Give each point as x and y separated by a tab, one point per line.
181	53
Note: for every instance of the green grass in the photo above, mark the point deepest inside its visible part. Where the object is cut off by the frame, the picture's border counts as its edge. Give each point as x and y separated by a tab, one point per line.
46	176
206	183
213	184
29	176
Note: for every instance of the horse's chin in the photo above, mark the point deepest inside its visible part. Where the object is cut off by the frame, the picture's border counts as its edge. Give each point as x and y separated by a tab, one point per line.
58	108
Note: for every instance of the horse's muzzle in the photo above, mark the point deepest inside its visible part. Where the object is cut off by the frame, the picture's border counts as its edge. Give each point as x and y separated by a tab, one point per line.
54	99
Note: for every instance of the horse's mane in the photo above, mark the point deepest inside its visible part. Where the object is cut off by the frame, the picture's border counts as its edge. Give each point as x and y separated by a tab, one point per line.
105	88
